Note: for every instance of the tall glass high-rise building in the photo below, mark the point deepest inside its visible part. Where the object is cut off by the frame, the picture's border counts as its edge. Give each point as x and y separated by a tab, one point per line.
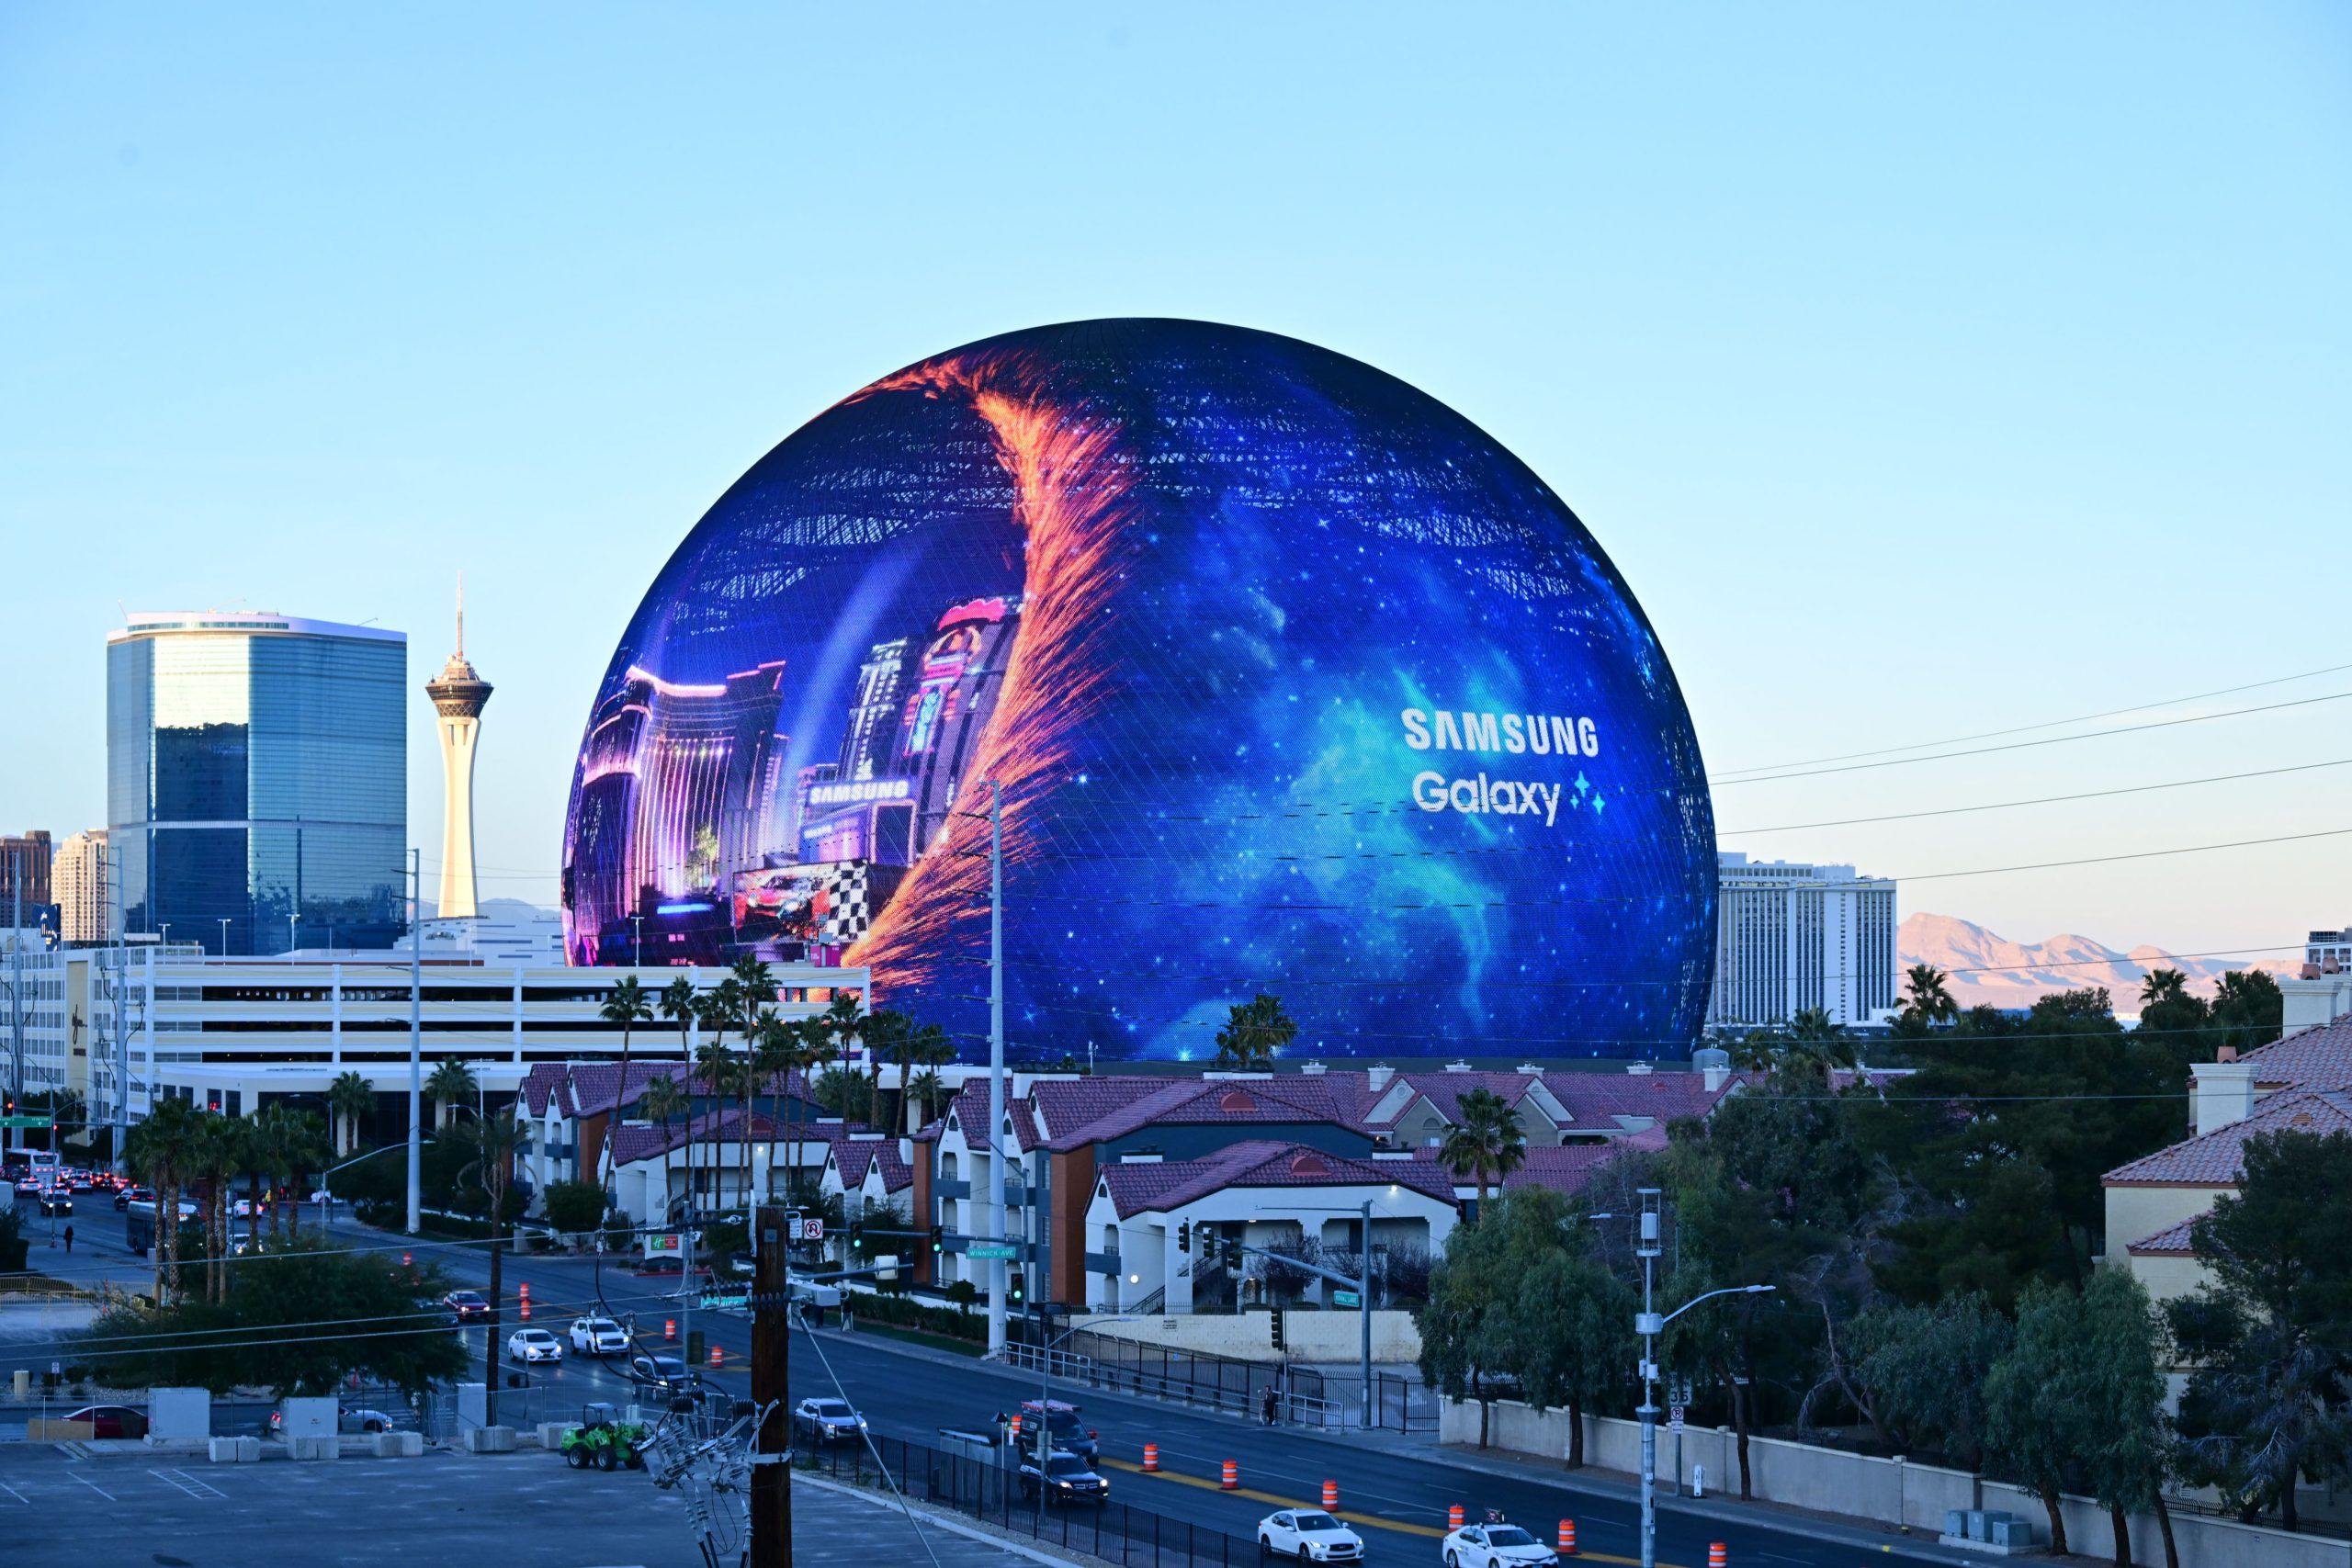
256	780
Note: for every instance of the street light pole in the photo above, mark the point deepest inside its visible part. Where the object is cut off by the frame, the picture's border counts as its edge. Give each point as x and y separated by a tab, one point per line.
415	1040
1649	1325
995	1140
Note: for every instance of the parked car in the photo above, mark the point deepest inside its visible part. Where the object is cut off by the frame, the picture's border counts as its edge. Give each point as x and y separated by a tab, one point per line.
1495	1546
56	1200
126	1196
348	1418
599	1336
826	1421
1309	1535
1063	1426
1065	1478
466	1306
245	1208
112	1420
532	1345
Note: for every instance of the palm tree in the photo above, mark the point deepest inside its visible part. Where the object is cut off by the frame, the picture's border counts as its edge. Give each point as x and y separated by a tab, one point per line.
823	1040
629	1005
2163	986
1928	996
927	1087
349	1098
1485	1142
302	1141
267	1131
213	1156
161	1152
452	1084
1253	1032
755	994
918	1044
681	1004
885	1032
664	1102
714	1073
774	1051
493	1140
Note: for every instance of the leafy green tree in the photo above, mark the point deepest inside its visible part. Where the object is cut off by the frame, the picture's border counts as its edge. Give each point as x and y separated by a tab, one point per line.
1466	1331
1566	1334
2033	1424
2270	1338
2119	1405
1253	1034
2248	1009
267	1330
1920	1372
574	1206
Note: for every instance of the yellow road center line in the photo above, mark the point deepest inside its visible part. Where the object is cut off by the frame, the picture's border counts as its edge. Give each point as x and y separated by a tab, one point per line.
1399	1526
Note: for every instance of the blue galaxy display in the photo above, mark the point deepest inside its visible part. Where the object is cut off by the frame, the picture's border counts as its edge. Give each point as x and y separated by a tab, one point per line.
1285	677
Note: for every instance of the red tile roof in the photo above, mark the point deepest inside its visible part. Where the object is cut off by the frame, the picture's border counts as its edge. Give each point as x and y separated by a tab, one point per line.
633	1141
856	1156
2218	1157
2310	1058
1135	1186
2171	1242
1563	1168
970	1109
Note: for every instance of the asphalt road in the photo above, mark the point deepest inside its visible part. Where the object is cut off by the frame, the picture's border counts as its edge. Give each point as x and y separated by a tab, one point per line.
1394	1490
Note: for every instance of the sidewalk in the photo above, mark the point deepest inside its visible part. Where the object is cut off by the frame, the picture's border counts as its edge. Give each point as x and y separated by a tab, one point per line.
836	1524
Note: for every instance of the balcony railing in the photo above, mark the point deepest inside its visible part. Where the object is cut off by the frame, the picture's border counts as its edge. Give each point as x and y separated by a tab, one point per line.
1102	1263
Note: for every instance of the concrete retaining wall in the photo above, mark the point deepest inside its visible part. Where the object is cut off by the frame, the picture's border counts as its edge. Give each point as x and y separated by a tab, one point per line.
1320	1336
1888	1491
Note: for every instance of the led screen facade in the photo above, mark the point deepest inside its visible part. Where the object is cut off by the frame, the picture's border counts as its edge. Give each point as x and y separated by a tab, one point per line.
1288	678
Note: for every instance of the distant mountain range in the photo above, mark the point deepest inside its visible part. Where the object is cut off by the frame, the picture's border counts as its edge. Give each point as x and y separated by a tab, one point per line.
1987	967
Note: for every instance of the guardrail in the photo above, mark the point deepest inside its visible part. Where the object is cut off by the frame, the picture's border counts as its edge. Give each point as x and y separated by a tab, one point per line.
1245	1398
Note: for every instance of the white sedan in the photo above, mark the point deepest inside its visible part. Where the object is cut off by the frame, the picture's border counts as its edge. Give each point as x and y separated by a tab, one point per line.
599	1336
1310	1536
1495	1546
534	1345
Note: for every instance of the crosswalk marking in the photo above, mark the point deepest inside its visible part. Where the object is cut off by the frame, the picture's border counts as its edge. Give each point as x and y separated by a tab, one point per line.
203	1491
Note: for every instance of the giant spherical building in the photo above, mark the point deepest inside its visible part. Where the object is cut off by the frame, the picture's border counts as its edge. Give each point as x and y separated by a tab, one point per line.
1288	678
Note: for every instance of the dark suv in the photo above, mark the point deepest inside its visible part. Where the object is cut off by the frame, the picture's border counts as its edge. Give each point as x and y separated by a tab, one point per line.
1065	1479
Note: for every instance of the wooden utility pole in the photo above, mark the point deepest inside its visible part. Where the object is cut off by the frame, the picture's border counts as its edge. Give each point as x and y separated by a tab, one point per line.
771	1363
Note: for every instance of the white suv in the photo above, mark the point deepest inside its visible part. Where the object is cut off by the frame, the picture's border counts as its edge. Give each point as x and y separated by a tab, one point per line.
598	1337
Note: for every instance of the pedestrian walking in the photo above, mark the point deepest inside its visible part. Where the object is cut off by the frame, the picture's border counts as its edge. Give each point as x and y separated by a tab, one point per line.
1270	1404
68	1236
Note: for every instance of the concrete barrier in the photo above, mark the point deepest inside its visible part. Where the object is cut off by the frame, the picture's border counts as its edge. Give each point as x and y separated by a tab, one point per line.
233	1450
400	1445
314	1448
489	1439
551	1433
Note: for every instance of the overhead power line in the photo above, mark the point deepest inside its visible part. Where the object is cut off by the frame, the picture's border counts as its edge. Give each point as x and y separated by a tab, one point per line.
2029	729
2040	800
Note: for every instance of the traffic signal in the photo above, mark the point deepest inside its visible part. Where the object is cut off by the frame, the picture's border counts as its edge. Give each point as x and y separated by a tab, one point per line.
1013	1284
857	1236
1184	1237
939	1238
1276	1328
1233	1255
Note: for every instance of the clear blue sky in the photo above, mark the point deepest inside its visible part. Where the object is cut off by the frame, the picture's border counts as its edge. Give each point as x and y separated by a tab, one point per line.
1926	369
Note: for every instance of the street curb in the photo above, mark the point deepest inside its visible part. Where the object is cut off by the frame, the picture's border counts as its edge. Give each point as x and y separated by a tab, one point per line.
953	1526
1753	1515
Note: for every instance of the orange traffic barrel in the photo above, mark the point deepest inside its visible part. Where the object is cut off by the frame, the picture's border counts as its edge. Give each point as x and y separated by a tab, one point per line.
668	1328
523	1287
717	1357
526	1309
1453	1517
408	1259
1232	1476
1151	1458
1567	1543
1330	1494
1717	1557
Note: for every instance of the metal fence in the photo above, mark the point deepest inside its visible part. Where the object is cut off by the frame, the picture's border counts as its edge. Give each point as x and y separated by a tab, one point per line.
1302	1397
991	1494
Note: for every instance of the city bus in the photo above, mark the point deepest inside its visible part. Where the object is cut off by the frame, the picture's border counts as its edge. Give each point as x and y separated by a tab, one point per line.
138	1217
